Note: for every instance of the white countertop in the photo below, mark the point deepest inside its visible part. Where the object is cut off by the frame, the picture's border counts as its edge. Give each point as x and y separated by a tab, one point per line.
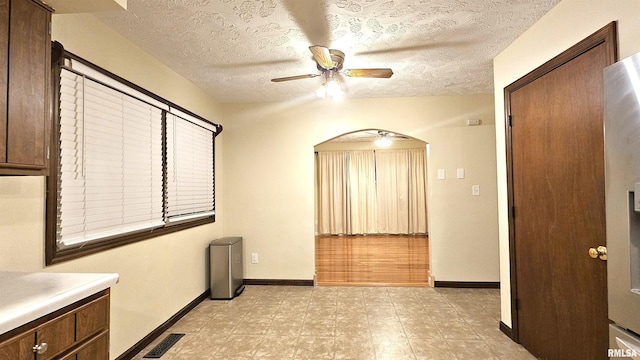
27	296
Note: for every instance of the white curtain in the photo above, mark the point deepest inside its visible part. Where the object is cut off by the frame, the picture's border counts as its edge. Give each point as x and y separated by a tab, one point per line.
392	175
417	191
362	192
332	192
372	192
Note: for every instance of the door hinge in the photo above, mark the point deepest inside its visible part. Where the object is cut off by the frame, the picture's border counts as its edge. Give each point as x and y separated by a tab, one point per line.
50	27
516	304
513	212
510	118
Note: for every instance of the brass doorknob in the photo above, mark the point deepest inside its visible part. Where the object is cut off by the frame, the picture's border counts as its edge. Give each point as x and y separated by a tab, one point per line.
599	252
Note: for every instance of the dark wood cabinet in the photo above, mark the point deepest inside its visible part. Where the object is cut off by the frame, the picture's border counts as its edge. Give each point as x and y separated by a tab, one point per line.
95	349
25	67
77	332
4	72
19	348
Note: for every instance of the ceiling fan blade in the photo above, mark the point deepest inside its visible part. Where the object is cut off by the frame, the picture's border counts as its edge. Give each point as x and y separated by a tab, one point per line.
297	77
322	56
311	17
252	64
418	47
369	73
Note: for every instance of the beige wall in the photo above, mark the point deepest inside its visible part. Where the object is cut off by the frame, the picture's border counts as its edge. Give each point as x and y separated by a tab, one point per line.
266	150
565	25
270	202
157	277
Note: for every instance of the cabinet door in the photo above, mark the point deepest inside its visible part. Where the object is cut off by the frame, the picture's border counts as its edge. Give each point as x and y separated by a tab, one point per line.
58	334
27	112
18	348
4	68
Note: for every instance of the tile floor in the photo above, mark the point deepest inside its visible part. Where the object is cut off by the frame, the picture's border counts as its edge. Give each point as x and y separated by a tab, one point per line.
298	322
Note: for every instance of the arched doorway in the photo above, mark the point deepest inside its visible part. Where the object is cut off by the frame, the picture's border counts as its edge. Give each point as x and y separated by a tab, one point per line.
371	210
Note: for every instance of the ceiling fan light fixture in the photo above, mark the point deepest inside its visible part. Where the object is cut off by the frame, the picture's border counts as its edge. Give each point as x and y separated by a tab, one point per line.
321	92
334	90
383	140
330	88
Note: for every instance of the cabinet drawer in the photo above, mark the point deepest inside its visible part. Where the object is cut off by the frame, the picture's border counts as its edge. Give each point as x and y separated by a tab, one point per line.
92	318
96	349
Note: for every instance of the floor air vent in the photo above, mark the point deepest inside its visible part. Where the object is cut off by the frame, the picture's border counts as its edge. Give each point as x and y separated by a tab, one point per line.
163	346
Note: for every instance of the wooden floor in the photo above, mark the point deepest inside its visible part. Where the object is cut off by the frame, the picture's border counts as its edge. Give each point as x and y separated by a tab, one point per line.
372	260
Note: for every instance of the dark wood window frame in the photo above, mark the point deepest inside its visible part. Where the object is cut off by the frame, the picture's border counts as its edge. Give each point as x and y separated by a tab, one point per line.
54	254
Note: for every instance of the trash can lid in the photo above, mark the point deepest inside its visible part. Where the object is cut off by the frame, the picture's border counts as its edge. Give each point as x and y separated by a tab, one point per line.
228	240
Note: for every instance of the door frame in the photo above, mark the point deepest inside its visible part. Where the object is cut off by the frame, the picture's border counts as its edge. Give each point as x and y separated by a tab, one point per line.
606	35
430	278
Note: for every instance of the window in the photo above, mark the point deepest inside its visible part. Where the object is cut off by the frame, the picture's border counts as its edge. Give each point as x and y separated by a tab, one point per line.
189	169
128	166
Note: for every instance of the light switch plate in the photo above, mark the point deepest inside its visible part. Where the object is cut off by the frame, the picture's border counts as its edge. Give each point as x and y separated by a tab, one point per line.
442	174
460	173
475	189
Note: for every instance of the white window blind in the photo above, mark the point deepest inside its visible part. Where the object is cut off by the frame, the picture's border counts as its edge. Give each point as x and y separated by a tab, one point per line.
190	176
110	170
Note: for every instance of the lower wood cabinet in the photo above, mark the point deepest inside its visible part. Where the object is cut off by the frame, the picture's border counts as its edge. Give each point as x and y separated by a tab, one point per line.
97	348
77	332
20	347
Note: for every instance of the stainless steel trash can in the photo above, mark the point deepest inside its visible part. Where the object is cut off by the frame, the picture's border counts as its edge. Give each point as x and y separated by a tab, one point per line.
227	277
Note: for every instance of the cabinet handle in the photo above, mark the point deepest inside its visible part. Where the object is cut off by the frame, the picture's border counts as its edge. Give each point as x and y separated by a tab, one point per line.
40	349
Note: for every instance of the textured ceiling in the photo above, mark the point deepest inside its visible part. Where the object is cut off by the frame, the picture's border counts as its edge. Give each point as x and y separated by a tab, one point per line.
232	48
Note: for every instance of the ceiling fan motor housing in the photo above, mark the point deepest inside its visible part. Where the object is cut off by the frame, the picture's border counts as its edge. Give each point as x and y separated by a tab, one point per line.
337	57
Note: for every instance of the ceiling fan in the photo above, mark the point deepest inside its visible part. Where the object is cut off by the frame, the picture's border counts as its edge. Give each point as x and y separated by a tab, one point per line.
329	62
388	134
385	138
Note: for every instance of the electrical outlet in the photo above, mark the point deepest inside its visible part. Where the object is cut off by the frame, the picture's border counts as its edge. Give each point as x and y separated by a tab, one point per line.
254	258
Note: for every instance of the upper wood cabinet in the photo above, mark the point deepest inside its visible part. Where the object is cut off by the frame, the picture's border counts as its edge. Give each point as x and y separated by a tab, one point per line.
25	53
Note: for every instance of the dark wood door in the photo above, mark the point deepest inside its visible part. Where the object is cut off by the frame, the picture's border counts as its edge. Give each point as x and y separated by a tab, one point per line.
557	154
